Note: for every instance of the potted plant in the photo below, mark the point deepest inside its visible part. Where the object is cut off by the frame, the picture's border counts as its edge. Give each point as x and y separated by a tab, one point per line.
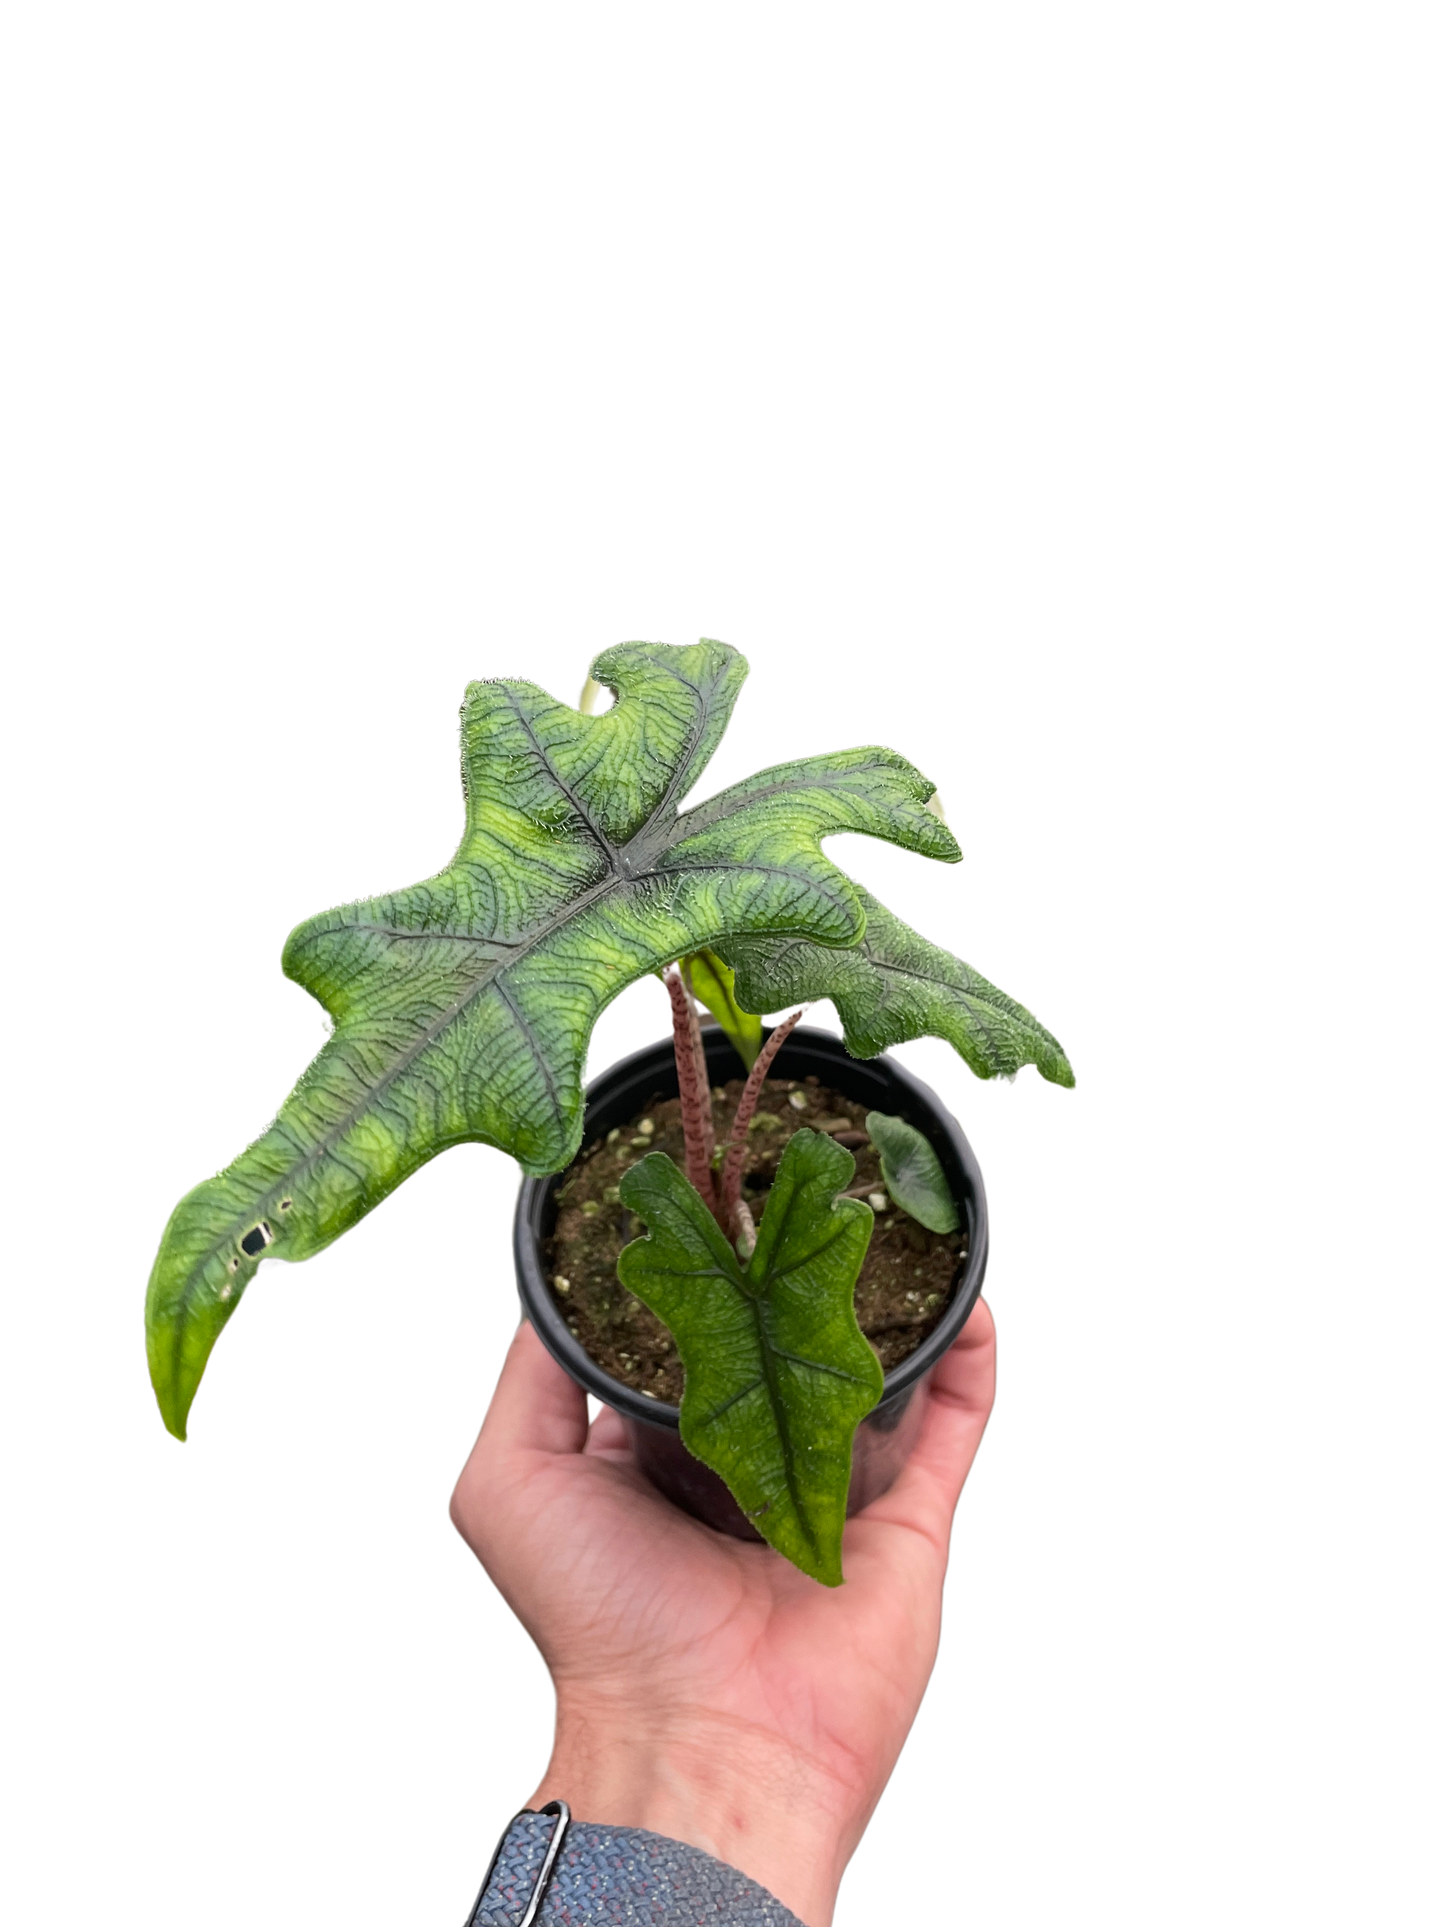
462	1010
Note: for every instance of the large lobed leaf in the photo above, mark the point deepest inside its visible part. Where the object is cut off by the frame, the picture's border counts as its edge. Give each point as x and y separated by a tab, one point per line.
892	987
777	1373
463	1005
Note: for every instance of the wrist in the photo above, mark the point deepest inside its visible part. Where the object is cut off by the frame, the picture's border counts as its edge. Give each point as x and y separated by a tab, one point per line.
747	1799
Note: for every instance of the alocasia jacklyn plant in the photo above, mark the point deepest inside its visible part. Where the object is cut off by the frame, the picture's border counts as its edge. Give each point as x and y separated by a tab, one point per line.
462	1007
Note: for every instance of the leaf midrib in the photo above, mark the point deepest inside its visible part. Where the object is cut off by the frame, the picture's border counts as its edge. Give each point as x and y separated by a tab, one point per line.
620	872
708	814
977	1001
402	1064
598	835
780	1415
768	1352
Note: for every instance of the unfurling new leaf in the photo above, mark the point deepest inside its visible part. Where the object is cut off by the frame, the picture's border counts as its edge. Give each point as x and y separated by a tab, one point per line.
777	1373
712	985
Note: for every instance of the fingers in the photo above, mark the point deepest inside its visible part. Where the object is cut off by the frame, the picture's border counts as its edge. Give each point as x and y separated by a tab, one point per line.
607	1436
536	1406
536	1412
960	1398
963	1379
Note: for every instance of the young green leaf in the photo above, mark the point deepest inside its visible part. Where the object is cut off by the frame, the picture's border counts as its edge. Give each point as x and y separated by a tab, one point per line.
895	986
463	1005
777	1373
712	985
912	1172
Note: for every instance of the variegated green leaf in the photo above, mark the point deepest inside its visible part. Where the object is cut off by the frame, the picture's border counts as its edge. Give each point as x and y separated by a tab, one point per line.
463	1005
894	986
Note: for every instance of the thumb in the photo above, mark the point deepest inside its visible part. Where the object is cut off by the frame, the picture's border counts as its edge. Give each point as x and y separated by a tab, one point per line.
536	1411
536	1407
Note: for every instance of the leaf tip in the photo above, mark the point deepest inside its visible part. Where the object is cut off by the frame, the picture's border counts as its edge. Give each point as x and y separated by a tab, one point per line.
823	1563
176	1426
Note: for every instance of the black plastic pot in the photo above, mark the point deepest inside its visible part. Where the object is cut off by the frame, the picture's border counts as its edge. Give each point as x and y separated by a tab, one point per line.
885	1437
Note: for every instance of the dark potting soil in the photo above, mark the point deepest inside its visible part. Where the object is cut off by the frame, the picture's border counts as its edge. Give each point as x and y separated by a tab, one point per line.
902	1290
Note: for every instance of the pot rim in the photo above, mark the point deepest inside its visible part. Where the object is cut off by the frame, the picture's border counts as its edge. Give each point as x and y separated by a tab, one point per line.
923	1109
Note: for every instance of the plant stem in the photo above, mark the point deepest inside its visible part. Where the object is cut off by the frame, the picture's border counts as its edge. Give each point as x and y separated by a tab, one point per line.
730	1184
692	1087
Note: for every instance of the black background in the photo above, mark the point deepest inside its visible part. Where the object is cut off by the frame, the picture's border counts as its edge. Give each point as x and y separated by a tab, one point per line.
316	1687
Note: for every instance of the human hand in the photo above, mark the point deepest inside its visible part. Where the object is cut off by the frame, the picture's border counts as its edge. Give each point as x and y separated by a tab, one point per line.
706	1689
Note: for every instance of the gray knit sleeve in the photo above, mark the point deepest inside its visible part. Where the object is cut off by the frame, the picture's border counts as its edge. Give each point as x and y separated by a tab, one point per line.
607	1875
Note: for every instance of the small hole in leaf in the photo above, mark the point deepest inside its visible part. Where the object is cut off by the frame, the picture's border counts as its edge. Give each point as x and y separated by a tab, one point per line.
256	1240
